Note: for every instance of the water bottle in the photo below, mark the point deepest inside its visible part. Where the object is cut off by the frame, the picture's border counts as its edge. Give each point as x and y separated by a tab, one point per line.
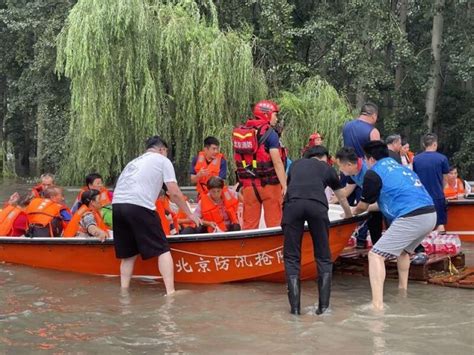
437	243
352	242
453	245
428	244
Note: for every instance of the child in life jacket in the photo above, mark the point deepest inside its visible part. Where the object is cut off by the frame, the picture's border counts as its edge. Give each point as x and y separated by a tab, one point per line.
87	221
218	208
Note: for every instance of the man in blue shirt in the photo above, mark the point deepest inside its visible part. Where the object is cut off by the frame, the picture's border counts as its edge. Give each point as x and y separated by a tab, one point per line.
433	168
407	206
356	134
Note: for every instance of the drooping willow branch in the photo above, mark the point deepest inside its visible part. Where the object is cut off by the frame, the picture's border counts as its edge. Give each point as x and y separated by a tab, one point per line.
139	68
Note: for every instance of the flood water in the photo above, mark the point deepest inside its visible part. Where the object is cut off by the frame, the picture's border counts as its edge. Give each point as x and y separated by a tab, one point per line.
57	312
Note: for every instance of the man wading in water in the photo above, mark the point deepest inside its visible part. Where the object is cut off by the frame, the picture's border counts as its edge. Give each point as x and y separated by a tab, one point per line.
407	206
137	227
305	200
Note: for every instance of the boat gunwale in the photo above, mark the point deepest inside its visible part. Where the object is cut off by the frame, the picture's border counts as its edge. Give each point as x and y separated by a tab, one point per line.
462	202
182	238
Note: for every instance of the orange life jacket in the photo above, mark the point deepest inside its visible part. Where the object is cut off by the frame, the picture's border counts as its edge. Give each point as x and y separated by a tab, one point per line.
211	211
454	191
163	209
42	211
182	215
253	161
213	168
7	217
74	226
104	197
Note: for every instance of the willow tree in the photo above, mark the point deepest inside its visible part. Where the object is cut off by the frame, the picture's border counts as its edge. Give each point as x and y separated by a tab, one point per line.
313	106
144	67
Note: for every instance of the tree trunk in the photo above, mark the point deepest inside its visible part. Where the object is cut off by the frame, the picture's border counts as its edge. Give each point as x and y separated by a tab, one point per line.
3	112
42	109
434	81
399	72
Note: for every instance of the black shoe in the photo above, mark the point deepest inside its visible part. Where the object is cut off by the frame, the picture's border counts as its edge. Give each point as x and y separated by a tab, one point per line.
324	288
294	294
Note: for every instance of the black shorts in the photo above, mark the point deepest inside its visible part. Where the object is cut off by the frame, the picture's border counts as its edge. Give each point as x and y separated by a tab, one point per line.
137	230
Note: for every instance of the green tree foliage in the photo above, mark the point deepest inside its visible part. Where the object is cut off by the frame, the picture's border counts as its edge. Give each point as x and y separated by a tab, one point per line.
138	68
313	106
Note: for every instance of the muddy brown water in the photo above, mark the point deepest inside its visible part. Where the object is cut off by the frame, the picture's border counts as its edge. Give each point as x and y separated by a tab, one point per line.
44	311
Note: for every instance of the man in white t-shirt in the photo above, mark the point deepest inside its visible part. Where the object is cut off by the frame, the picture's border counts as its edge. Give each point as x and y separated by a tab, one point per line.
137	227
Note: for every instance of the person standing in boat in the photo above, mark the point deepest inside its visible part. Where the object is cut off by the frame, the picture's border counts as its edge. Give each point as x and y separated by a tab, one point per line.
260	168
208	163
137	228
433	168
406	205
305	200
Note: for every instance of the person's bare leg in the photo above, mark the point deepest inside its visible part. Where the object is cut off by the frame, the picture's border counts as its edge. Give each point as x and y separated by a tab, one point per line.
126	271
377	279
403	265
166	267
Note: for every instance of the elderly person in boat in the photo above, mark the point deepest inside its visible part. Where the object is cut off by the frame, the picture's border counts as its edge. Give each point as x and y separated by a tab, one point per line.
47	181
87	221
305	201
454	187
407	206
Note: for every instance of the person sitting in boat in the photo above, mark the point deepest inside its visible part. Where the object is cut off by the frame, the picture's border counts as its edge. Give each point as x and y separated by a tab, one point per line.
218	208
168	219
48	216
454	187
209	162
94	182
47	180
87	221
13	219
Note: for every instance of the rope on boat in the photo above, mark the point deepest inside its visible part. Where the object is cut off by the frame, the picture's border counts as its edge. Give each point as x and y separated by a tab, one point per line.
227	257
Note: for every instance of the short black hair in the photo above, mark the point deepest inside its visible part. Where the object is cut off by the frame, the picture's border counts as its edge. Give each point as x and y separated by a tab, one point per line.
155	142
452	167
429	139
208	141
215	182
404	140
369	108
376	149
317	151
88	196
347	155
393	138
91	177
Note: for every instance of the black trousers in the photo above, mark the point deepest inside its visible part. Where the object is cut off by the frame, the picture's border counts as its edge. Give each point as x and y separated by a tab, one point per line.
295	213
375	225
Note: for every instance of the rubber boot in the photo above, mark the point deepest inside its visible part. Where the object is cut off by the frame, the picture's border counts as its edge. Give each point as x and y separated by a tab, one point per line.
324	288
294	294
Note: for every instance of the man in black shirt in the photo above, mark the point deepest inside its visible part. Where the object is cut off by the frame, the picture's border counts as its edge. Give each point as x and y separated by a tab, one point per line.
305	200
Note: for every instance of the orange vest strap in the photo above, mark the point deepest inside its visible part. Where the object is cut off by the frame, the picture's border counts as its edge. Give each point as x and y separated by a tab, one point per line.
213	167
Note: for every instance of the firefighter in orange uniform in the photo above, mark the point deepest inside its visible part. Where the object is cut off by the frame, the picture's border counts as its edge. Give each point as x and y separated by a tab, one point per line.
260	168
209	162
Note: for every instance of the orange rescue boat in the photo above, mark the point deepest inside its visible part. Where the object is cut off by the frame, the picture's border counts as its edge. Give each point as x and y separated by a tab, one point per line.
198	258
461	218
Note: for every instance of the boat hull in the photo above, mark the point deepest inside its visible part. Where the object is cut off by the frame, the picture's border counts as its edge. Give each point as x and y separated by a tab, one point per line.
461	219
206	259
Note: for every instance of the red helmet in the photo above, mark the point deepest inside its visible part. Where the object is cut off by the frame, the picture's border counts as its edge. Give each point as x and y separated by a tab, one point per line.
263	109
